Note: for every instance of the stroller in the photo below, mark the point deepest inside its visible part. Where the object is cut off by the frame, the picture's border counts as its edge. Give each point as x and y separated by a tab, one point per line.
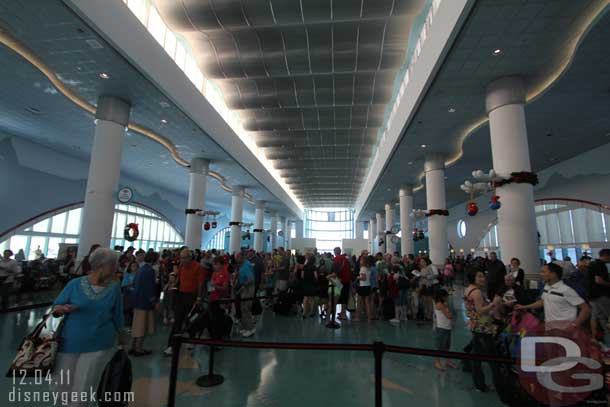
213	318
510	390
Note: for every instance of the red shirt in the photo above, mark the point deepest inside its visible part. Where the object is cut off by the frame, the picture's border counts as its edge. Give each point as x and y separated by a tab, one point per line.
344	269
220	278
191	277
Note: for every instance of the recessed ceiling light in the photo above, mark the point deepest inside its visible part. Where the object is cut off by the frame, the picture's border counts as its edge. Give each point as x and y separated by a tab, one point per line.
410	163
423	146
163	121
497	52
451	110
104	75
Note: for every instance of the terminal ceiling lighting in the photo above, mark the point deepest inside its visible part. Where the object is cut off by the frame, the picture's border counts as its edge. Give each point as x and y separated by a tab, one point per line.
104	75
497	52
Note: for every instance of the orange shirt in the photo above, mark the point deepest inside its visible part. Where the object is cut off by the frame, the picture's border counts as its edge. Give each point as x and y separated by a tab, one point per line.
191	278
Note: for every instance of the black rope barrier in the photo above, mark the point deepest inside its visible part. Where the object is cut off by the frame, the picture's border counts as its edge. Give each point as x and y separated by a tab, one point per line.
27	307
378	348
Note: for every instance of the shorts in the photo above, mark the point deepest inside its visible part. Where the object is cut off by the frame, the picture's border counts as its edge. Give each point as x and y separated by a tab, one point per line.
344	296
600	308
364	291
143	323
442	337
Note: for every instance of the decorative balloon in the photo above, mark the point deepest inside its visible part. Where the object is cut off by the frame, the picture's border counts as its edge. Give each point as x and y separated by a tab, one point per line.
473	208
206	226
415	239
214	224
494	203
420	234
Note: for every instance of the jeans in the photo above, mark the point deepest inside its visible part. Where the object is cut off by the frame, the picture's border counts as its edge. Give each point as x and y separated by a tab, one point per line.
184	305
483	344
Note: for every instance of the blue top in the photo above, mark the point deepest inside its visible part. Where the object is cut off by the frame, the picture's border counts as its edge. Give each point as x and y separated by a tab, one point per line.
246	272
373	278
145	294
95	323
128	279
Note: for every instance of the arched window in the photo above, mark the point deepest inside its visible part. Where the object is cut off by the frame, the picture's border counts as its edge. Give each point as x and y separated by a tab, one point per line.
63	226
218	240
566	227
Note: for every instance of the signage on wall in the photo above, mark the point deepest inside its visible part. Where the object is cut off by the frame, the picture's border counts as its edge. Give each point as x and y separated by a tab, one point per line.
125	195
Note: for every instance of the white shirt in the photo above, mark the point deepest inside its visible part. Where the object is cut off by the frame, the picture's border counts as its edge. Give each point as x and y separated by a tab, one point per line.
441	319
560	302
367	274
8	268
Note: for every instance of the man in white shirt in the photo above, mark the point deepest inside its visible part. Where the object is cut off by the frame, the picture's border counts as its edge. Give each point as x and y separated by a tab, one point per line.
561	303
8	269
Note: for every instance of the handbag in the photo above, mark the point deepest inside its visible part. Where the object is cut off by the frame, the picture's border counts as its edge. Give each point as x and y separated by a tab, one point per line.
36	354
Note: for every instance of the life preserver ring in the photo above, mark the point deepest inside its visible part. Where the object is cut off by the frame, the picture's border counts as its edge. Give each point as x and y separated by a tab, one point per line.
131	232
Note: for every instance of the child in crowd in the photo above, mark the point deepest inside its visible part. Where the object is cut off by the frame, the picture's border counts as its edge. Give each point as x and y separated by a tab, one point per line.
169	295
443	323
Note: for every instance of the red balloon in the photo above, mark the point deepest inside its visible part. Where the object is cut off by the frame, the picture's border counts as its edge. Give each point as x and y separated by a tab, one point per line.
206	226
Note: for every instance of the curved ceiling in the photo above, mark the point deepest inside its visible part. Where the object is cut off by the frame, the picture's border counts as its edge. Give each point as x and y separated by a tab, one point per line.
311	79
33	107
535	38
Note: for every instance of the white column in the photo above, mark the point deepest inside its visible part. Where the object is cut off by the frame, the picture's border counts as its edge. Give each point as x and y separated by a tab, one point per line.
509	147
389	223
112	116
406	224
380	232
299	231
359	230
273	231
284	225
237	212
196	200
435	198
287	235
259	215
372	234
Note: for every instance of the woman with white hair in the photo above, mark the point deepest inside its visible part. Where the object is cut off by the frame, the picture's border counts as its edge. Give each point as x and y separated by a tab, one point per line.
93	321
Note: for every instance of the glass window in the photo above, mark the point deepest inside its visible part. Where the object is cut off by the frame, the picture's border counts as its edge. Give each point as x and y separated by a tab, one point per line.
19	242
73	226
156	26
65	227
42	226
53	247
58	223
34	243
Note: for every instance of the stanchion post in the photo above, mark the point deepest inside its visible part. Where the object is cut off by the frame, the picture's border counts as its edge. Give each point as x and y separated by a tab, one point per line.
378	349
332	323
210	379
173	376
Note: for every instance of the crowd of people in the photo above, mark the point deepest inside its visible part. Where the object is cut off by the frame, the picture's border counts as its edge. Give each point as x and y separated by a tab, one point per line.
122	295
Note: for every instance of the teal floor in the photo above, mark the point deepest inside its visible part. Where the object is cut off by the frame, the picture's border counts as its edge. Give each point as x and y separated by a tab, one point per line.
274	378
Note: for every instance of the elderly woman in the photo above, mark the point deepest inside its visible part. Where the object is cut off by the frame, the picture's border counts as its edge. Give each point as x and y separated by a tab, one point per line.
145	301
93	322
